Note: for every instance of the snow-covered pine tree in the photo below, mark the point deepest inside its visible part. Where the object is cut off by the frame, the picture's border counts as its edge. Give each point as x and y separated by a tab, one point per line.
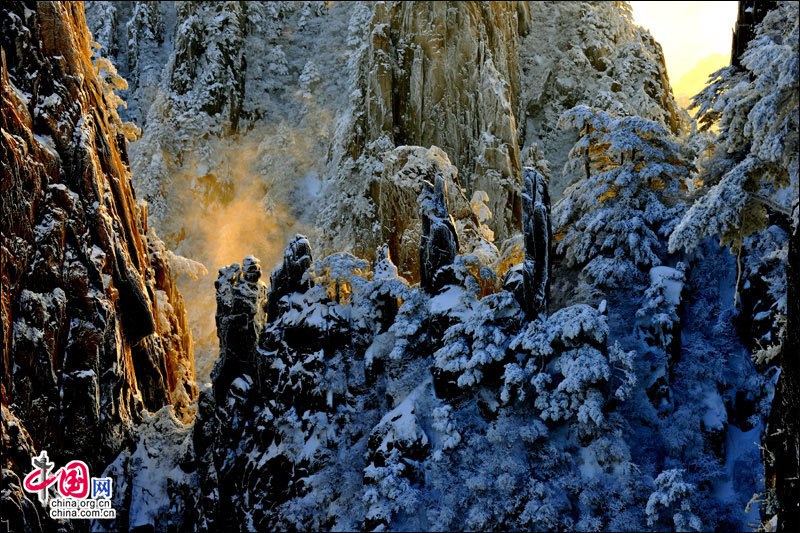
208	70
754	165
569	370
674	496
613	222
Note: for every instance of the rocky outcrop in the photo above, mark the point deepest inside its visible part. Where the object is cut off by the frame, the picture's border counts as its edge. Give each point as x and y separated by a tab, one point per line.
536	227
405	170
410	94
480	81
529	279
438	246
93	330
18	510
283	380
289	277
241	302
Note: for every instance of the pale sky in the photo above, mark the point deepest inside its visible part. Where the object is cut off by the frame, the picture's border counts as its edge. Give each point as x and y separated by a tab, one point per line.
695	36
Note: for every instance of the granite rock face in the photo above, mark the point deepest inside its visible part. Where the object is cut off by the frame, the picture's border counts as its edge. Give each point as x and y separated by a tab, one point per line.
18	507
238	103
93	329
414	96
411	93
405	170
482	82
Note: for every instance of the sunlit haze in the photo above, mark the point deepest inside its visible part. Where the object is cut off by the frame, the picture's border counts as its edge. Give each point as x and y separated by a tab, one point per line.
695	36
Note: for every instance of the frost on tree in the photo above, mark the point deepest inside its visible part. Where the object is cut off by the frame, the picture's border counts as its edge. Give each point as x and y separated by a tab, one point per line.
750	174
749	201
613	223
670	506
658	325
568	371
344	428
764	291
398	447
753	167
439	243
475	347
590	53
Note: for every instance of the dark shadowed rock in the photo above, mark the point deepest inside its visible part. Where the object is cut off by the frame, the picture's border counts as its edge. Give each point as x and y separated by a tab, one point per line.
537	237
438	246
289	276
529	281
387	303
241	298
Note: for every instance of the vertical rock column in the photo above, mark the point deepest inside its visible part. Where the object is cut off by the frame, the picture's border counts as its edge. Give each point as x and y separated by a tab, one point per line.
538	235
439	243
241	298
289	277
385	269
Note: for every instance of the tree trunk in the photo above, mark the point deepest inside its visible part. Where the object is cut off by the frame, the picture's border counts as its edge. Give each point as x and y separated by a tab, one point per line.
783	430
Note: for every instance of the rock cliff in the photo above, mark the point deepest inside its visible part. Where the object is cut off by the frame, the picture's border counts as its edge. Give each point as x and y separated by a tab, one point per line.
482	81
93	328
292	112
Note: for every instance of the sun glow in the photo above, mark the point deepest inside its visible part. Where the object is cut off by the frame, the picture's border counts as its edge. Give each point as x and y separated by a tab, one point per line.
695	36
